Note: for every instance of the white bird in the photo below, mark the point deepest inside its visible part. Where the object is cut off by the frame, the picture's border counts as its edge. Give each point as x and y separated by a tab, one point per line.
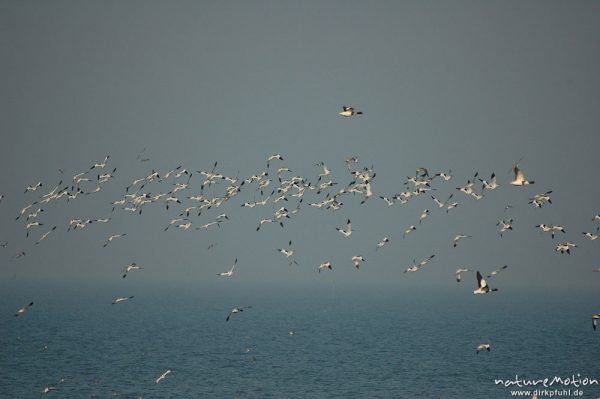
129	268
121	299
326	265
492	274
112	237
491	184
458	238
565	247
482	287
506	225
520	177
326	171
459	272
286	252
417	266
408	231
540	199
346	232
33	187
387	200
595	319
48	389
274	157
451	206
32	224
228	273
263	221
349	111
23	310
381	243
558	228
592	236
100	164
412	269
235	311
445	176
482	347
163	376
43	237
439	203
424	215
356	260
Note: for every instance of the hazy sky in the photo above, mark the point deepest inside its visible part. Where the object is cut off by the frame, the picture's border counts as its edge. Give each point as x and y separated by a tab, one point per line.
462	85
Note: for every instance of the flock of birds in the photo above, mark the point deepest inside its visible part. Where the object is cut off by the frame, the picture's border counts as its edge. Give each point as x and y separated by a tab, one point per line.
190	197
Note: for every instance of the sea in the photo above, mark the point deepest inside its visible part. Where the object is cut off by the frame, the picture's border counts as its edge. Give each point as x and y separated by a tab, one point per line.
327	340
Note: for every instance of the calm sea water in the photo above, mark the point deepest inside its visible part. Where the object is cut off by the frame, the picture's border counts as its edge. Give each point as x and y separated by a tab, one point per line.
347	341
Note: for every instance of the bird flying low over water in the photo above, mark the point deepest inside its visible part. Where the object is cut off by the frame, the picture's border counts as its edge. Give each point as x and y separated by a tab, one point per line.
23	310
483	347
163	376
235	311
121	299
595	319
349	111
482	287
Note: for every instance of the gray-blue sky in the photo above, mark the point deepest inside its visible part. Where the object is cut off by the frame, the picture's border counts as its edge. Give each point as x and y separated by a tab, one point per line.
467	86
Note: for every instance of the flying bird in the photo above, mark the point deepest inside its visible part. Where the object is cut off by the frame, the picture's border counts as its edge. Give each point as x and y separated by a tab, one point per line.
408	231
235	311
482	287
492	274
326	265
595	319
459	272
520	177
349	111
121	299
346	232
45	235
357	259
228	273
482	347
129	268
23	310
592	236
505	226
491	184
458	238
163	376
112	237
381	243
565	247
